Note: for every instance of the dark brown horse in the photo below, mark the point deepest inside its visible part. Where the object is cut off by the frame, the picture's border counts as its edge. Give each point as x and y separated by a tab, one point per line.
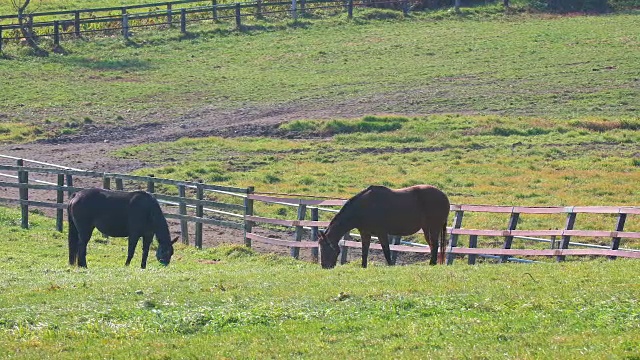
120	214
380	211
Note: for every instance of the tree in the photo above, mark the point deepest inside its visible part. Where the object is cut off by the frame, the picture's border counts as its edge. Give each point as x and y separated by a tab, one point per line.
25	21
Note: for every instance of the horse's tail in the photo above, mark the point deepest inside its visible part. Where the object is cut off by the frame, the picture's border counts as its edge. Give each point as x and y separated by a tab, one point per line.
442	247
73	238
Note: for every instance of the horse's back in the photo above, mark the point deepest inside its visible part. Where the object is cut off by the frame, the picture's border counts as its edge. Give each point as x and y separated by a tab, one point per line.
403	211
412	196
107	210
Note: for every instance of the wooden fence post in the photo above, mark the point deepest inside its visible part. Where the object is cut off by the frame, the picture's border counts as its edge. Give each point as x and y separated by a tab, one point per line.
60	200
56	32
69	184
182	209
405	7
314	234
151	185
473	243
23	178
294	9
238	16
183	21
302	214
615	241
344	249
303	7
119	184
106	182
199	214
76	23
1	39
394	240
259	9
214	7
350	9
508	240
248	211
125	24
453	239
169	15
564	244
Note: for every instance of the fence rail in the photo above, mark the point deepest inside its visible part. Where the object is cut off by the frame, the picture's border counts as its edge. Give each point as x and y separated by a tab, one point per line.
218	213
78	22
192	205
559	249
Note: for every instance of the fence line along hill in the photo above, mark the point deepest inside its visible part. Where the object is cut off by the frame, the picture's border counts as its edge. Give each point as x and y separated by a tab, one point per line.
236	208
60	25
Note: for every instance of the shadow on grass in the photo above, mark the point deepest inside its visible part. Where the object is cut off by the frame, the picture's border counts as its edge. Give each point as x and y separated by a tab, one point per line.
111	64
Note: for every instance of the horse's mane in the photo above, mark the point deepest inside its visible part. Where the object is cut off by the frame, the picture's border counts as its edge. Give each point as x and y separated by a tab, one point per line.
349	204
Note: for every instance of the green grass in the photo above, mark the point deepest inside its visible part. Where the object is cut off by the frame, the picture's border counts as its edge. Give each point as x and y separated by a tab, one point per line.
231	303
561	66
475	159
574	78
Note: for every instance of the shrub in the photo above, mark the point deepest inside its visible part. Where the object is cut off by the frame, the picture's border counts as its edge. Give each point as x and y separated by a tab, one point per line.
604	125
501	131
368	124
565	6
300	125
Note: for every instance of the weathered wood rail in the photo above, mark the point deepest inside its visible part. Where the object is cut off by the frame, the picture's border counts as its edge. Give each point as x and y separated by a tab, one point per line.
124	19
190	209
239	213
559	249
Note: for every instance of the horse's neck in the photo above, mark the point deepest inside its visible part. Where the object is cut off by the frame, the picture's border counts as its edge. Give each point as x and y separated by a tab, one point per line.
160	226
337	230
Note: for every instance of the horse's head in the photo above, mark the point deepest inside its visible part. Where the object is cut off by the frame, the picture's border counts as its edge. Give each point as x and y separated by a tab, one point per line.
329	251
164	253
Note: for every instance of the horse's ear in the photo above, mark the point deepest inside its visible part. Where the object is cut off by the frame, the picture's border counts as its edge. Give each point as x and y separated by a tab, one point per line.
321	235
175	240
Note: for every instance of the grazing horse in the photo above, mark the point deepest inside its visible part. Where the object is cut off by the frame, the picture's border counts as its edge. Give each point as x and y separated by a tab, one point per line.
380	211
120	214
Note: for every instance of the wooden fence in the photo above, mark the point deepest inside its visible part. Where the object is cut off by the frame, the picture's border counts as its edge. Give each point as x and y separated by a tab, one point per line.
77	23
558	240
238	212
191	201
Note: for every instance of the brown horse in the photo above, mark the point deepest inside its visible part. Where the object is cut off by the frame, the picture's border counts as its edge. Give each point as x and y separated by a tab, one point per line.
380	211
115	213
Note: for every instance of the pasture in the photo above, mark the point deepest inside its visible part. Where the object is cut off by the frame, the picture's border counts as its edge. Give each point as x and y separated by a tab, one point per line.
493	109
522	65
228	302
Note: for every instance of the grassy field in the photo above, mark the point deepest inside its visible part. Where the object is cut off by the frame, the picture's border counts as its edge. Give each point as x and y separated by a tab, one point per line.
561	67
474	159
231	303
506	110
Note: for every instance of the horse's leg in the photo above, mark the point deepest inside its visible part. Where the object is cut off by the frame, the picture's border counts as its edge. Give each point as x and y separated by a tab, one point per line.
384	242
431	235
84	235
73	240
133	242
146	243
366	241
